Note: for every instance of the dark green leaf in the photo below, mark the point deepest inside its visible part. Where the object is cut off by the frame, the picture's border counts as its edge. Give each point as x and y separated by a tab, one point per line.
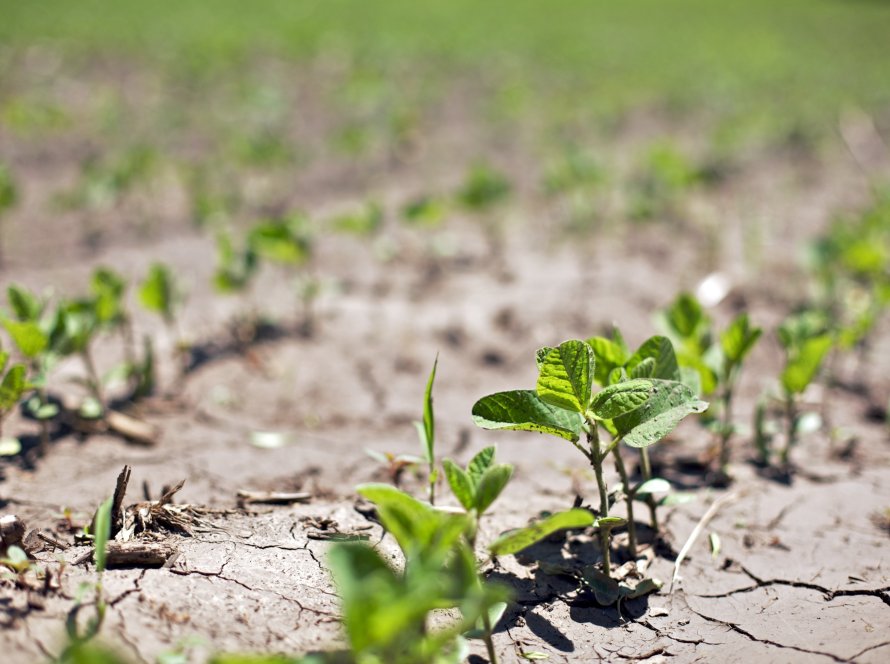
523	410
661	351
604	588
669	404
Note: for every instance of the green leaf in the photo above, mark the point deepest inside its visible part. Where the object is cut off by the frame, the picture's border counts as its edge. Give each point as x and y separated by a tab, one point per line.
419	529
158	292
13	386
566	375
661	351
739	338
281	241
25	306
685	317
490	486
517	540
429	422
605	589
621	398
608	355
27	336
523	410
102	533
541	354
460	483
669	404
644	369
480	463
803	365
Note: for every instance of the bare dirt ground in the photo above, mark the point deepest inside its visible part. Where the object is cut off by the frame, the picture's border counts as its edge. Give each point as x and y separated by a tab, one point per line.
802	574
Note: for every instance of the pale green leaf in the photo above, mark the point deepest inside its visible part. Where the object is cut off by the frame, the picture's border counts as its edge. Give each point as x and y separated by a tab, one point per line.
566	375
102	533
491	484
621	398
480	463
804	364
517	540
460	483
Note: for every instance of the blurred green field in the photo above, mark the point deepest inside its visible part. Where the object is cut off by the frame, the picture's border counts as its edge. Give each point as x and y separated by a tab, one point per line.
791	63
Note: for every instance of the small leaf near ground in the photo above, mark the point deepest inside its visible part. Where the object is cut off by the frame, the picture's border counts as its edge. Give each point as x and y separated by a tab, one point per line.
605	589
517	540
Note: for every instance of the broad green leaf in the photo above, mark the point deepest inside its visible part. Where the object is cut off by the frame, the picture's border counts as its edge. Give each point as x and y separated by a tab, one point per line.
604	588
480	463
669	404
490	486
739	338
280	241
13	386
565	376
523	410
27	336
25	306
429	422
644	369
621	398
460	483
608	355
803	365
102	533
158	293
419	529
517	540
661	350
541	354
685	316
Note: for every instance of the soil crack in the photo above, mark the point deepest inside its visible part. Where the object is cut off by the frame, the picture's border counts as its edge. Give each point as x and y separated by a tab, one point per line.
881	593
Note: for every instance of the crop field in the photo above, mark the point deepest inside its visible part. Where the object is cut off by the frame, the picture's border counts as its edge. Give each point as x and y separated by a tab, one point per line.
441	332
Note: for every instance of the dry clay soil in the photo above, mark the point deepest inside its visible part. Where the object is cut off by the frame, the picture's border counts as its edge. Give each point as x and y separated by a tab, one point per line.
802	571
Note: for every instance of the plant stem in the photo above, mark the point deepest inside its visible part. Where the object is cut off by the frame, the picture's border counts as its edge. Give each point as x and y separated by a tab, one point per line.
629	498
791	427
726	429
94	383
596	457
646	468
489	643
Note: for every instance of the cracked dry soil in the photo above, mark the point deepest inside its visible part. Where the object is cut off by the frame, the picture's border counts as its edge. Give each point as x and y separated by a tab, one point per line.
802	571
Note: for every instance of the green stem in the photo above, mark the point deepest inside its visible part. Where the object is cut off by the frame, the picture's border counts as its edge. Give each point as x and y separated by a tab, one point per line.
486	620
646	468
726	429
95	384
629	498
596	457
791	427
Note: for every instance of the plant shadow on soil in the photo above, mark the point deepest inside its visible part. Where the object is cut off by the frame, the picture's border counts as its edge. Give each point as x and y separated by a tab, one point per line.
543	589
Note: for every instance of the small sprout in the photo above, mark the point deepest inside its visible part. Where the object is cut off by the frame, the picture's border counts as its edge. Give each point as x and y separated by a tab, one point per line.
364	222
426	430
483	188
714	542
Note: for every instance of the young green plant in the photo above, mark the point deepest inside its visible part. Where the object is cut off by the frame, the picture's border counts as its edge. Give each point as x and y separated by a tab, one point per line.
637	411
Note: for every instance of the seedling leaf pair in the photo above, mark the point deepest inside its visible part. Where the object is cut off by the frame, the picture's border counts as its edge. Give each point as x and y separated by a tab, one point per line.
477	487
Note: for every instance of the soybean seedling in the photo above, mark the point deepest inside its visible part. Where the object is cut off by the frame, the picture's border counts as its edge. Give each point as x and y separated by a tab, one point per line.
287	242
654	360
638	411
714	360
8	199
805	342
77	637
13	385
476	488
385	612
160	294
